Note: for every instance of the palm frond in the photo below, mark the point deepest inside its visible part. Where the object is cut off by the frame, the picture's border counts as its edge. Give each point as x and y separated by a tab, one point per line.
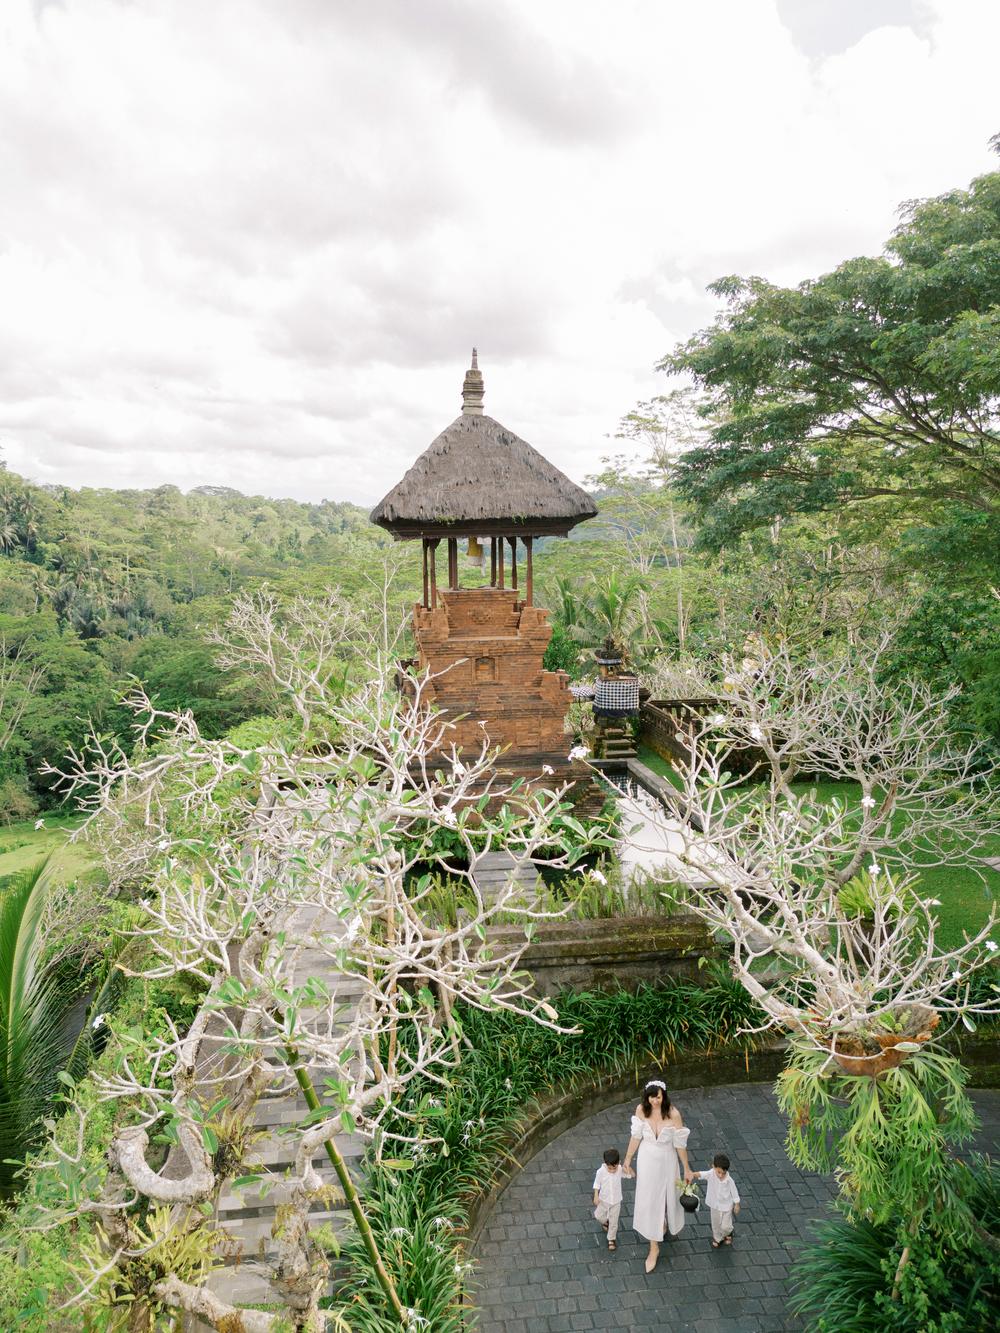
33	1003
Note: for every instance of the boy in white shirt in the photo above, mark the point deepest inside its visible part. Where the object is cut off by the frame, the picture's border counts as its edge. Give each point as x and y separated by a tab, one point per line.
723	1198
608	1195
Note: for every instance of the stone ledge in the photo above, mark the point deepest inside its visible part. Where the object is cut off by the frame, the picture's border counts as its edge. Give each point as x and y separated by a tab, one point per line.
613	952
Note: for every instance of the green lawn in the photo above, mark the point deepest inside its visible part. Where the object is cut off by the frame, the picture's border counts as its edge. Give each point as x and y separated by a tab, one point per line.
652	760
21	845
965	896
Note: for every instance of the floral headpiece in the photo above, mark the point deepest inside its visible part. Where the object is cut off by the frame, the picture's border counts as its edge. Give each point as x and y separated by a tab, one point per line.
655	1083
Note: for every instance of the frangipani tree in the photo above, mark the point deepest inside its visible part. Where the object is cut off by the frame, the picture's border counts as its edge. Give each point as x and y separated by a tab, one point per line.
291	876
821	901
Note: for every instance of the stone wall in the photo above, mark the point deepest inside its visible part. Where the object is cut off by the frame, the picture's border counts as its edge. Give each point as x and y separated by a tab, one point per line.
613	952
660	720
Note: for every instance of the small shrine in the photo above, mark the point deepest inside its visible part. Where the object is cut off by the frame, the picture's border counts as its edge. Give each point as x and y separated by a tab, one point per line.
479	483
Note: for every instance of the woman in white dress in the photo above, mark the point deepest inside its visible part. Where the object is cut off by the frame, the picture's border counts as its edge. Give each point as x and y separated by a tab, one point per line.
660	1138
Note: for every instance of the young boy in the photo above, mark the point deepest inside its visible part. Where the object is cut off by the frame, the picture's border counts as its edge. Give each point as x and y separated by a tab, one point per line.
608	1195
723	1198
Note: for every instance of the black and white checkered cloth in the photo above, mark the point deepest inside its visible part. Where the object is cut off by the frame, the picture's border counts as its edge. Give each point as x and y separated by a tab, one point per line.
617	697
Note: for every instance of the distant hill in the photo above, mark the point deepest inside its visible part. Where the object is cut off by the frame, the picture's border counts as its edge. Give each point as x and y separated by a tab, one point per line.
98	586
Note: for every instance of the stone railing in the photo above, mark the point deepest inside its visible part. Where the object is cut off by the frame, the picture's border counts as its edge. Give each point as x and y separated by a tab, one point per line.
662	719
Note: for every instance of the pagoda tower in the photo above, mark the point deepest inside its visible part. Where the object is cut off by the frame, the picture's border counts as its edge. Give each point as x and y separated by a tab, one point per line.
484	645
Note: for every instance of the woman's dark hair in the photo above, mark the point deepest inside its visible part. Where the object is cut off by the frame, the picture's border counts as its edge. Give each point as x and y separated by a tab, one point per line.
647	1105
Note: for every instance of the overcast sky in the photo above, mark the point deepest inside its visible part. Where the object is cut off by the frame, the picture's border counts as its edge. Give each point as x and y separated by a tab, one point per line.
251	242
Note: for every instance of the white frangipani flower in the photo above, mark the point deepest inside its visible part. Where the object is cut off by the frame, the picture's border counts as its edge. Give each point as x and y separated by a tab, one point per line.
579	752
755	733
873	869
548	770
932	902
868	802
39	823
598	877
991	945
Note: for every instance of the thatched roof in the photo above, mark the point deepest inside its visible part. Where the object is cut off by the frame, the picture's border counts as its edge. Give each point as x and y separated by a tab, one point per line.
478	476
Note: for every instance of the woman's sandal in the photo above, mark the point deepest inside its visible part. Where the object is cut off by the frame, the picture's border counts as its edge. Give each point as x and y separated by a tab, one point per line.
728	1240
612	1245
716	1244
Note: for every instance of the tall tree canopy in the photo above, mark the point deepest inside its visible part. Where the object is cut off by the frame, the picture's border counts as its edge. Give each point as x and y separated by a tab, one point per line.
878	383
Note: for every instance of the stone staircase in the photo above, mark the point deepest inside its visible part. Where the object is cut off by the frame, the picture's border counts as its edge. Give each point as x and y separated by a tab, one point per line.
614	742
248	1217
492	870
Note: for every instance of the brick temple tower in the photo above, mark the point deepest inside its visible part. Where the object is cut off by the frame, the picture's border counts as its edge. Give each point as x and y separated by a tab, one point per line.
484	645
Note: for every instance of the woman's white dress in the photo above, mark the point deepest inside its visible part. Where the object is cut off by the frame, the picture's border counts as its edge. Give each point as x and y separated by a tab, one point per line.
656	1175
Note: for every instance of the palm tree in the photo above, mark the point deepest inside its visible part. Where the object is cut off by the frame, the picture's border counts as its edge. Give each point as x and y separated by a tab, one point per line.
610	612
45	1028
9	535
34	1042
567	609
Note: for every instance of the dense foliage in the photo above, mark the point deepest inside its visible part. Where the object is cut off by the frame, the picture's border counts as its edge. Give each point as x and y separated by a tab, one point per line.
98	587
39	1270
850	1276
876	382
848	462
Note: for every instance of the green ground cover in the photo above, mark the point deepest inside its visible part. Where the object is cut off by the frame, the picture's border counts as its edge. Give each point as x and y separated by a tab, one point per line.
39	1268
21	845
658	764
964	893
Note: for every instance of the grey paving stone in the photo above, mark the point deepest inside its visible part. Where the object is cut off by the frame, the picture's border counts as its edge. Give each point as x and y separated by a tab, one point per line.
544	1265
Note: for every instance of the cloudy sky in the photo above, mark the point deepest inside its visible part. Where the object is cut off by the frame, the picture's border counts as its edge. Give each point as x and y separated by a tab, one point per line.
251	242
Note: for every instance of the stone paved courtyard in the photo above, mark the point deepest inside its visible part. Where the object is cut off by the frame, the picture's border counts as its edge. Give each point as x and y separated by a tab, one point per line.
544	1265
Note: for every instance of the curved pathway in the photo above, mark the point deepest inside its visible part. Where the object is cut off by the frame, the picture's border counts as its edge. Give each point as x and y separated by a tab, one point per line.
544	1265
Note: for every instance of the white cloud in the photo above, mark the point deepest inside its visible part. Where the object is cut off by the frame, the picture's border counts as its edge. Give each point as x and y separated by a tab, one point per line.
251	243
